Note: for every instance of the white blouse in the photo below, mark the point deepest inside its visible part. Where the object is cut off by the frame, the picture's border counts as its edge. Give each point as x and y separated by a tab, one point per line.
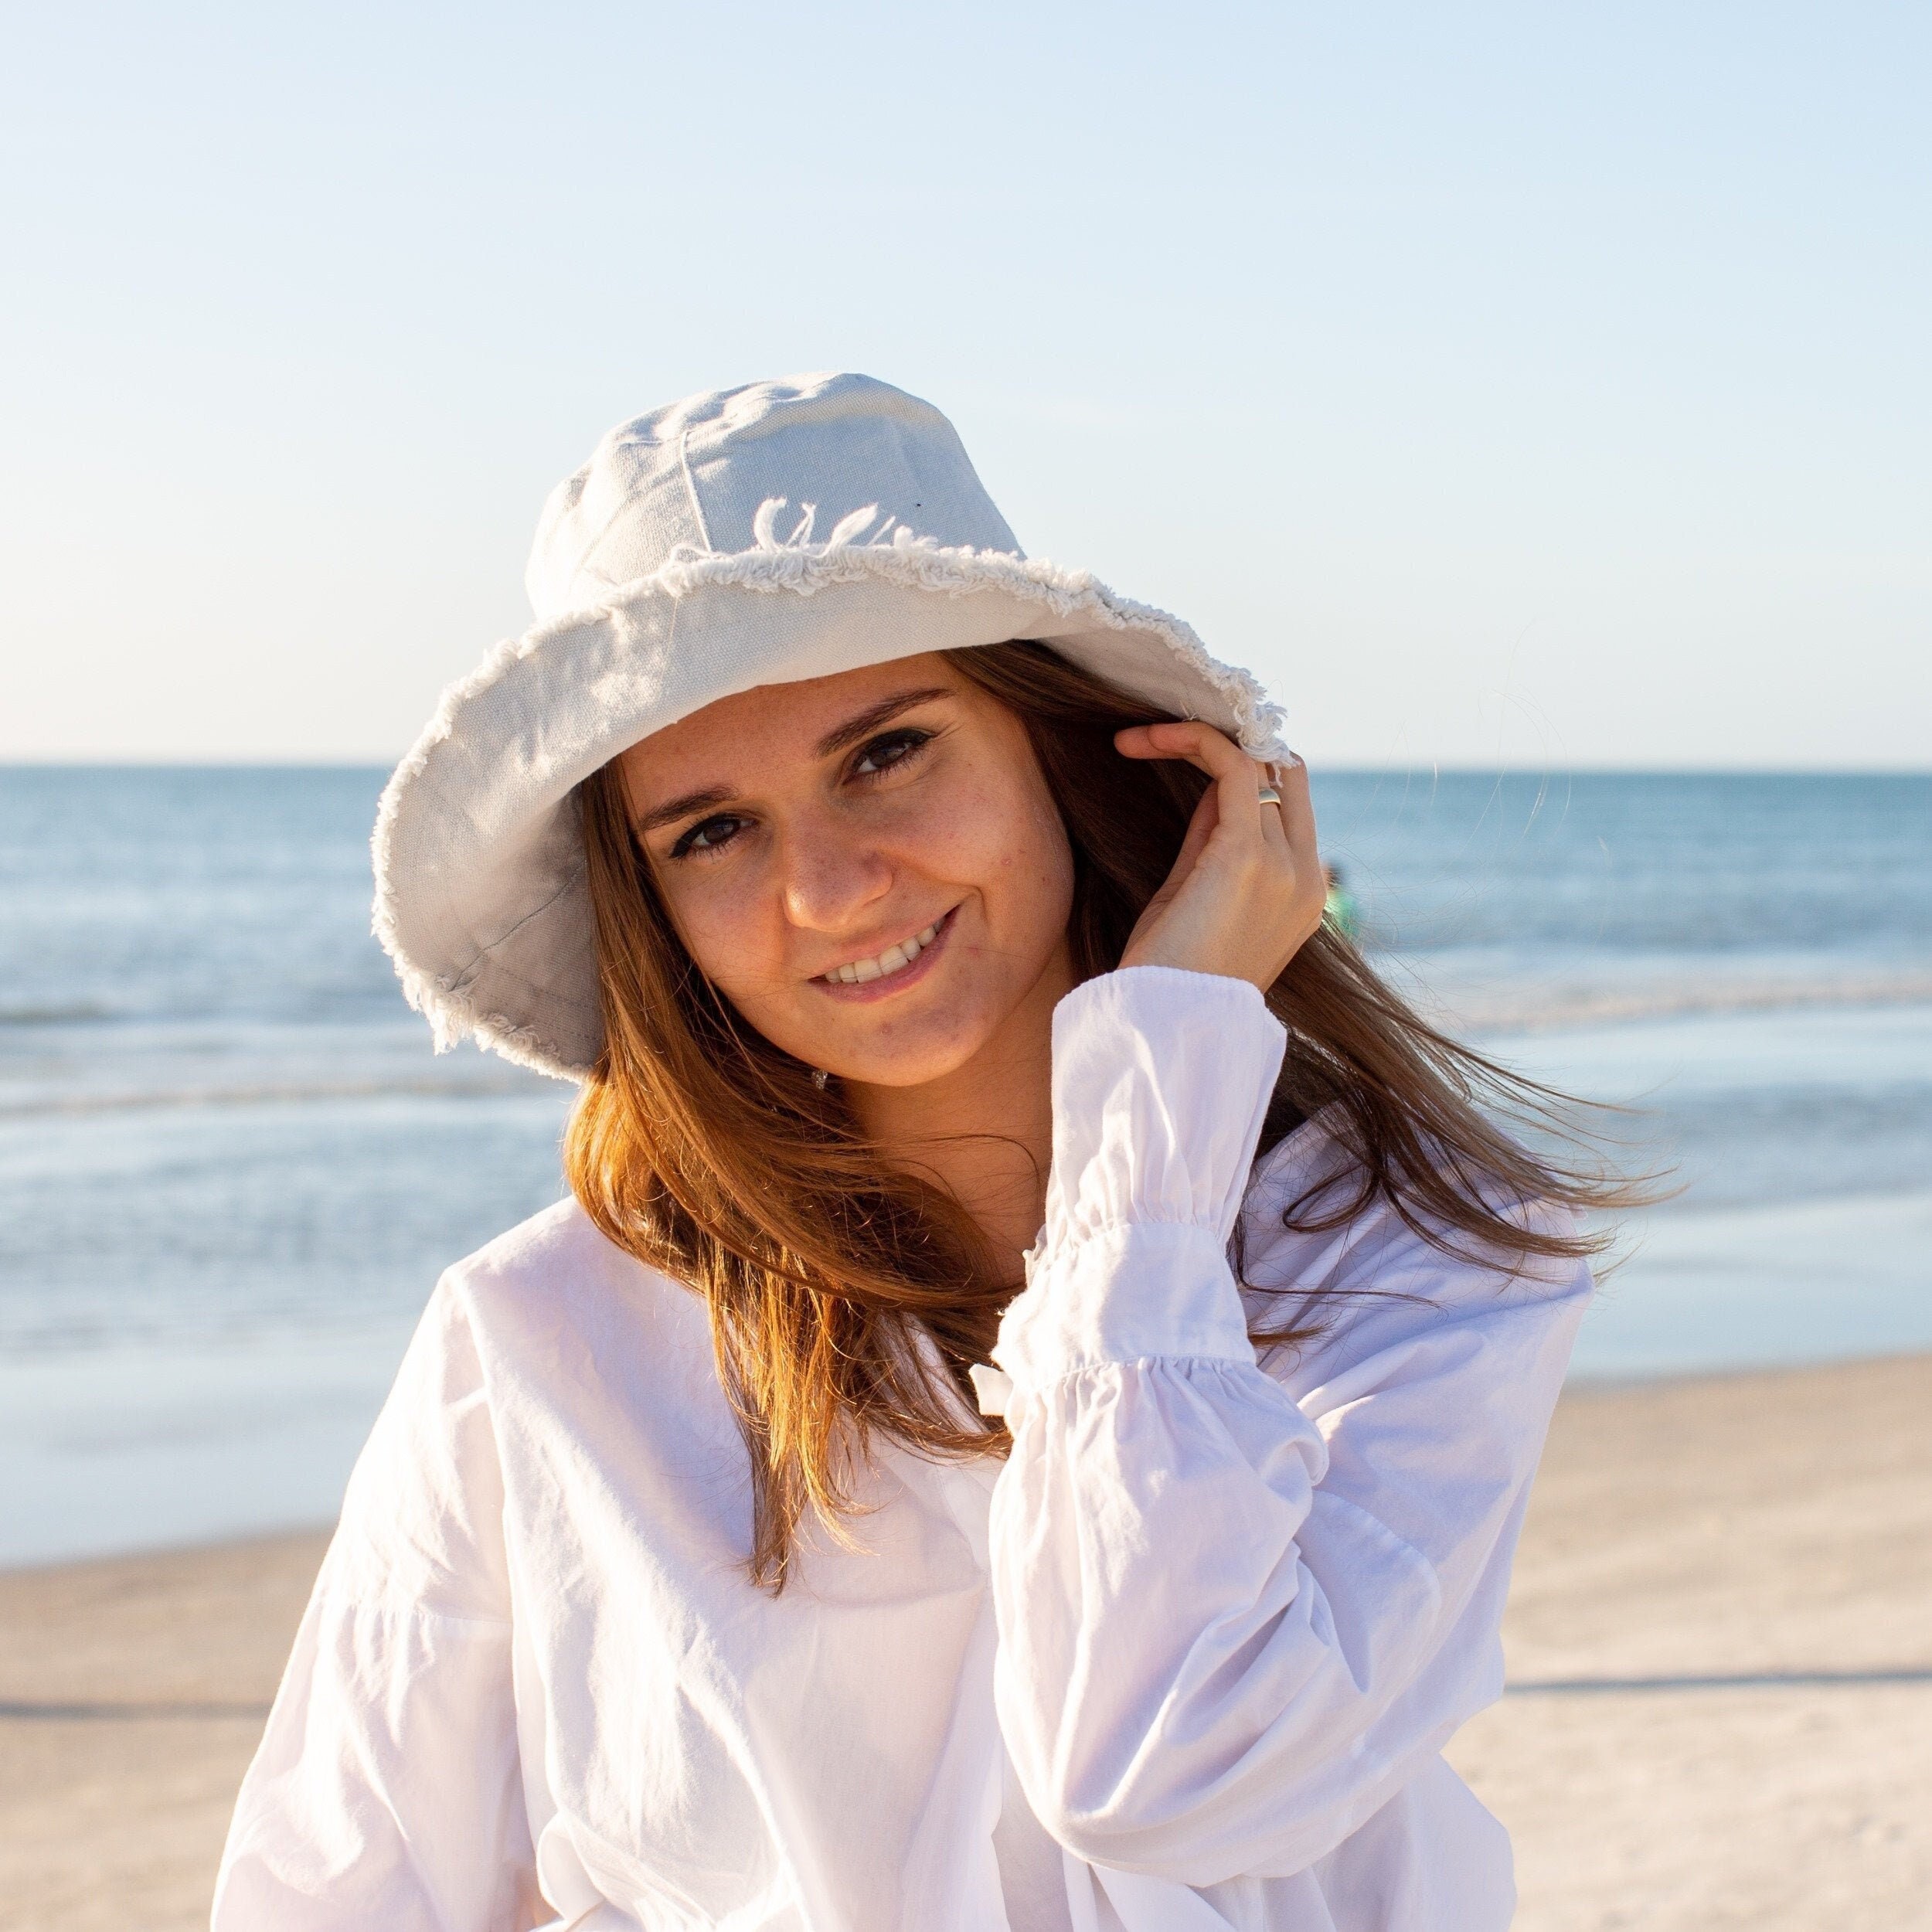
1184	1662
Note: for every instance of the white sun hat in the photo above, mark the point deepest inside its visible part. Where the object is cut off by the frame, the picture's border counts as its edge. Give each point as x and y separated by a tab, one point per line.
750	536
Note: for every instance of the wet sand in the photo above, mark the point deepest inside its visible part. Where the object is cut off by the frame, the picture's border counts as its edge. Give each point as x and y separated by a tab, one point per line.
1720	1648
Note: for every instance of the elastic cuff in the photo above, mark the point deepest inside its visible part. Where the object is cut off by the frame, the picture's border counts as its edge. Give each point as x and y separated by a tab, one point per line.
1161	1080
1141	1290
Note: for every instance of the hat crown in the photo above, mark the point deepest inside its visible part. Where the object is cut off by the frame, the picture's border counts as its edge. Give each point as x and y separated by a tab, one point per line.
786	463
756	536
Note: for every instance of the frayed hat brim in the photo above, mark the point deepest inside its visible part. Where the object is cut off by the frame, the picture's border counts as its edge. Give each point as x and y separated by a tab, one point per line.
481	898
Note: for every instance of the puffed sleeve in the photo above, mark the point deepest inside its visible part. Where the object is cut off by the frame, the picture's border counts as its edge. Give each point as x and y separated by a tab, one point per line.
387	1791
1230	1626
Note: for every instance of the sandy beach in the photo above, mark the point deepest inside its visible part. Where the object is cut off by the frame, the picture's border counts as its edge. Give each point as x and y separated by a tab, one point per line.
1720	1651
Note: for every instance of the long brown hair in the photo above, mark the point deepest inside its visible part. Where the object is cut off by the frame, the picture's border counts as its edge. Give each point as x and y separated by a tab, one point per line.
847	1297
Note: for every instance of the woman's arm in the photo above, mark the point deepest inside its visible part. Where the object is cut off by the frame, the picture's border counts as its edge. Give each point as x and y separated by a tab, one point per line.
1227	1635
387	1790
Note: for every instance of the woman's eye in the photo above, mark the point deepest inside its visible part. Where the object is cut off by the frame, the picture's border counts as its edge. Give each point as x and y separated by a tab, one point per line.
892	748
707	835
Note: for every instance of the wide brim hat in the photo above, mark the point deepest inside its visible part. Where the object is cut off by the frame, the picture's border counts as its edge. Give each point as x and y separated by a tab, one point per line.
745	537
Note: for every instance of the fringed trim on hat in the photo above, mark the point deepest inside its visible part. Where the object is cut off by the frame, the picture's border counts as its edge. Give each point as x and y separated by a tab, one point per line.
450	1008
794	563
454	1017
452	1012
798	564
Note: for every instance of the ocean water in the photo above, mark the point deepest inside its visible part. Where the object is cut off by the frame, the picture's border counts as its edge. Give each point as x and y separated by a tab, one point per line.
231	1167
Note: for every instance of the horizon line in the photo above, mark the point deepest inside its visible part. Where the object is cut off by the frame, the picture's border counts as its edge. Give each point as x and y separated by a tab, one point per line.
1445	767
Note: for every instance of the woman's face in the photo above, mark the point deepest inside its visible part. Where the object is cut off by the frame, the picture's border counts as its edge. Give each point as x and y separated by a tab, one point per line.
870	866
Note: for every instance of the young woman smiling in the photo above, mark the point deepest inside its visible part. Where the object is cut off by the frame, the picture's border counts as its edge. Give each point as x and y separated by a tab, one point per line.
1024	1419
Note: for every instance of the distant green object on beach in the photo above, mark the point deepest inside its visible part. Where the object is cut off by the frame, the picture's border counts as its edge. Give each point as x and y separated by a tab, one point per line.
1341	911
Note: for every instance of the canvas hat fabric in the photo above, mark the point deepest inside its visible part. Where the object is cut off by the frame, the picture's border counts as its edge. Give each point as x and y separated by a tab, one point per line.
750	536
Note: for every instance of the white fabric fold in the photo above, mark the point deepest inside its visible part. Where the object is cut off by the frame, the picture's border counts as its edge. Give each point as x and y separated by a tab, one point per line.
1161	1080
1220	1613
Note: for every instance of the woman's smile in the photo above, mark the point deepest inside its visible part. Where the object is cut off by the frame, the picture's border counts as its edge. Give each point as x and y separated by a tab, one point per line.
900	966
883	840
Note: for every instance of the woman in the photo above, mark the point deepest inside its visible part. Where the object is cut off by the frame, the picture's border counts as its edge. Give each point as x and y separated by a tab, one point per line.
1025	1418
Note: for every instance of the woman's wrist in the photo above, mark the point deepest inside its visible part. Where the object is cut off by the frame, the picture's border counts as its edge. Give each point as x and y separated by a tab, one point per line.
1162	1075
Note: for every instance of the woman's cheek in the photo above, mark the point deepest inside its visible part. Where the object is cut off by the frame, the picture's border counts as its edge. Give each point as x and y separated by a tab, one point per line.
998	839
728	943
1037	863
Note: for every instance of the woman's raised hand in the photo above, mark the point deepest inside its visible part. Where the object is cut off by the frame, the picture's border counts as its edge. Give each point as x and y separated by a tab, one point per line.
1247	889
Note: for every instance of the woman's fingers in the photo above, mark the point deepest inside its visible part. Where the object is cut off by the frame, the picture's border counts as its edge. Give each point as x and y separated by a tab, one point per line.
1237	778
1245	889
1275	823
1296	812
1200	829
1201	744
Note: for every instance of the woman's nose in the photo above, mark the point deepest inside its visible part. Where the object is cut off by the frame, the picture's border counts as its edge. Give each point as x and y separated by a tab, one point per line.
829	877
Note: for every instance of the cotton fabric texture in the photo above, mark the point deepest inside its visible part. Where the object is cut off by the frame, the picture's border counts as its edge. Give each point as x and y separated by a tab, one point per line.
779	531
1184	1663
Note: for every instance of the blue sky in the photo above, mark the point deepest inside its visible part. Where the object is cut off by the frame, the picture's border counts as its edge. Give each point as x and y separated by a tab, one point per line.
1544	385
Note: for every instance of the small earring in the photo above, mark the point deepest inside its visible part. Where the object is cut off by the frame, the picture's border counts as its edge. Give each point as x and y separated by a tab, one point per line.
819	1076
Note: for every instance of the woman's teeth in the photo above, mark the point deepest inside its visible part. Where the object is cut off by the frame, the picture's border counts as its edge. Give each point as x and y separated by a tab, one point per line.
892	960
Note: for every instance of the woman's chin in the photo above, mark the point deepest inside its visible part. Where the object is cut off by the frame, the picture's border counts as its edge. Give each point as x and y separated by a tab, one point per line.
914	1066
913	1050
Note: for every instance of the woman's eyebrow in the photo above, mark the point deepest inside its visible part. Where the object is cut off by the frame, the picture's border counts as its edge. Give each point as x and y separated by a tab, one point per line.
676	809
854	728
849	732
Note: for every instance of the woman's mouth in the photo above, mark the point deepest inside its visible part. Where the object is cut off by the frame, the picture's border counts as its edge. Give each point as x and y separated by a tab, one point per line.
899	966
